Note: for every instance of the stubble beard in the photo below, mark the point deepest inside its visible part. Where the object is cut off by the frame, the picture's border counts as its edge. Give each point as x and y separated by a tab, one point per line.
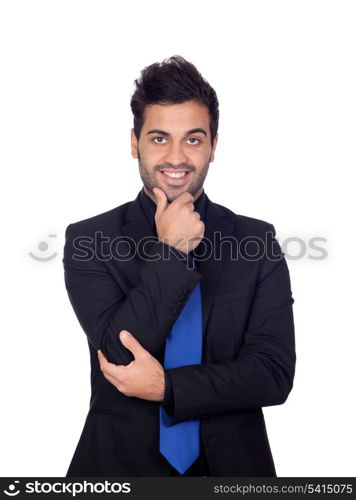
149	179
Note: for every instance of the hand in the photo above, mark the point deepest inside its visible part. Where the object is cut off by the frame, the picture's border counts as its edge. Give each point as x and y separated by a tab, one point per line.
142	378
177	223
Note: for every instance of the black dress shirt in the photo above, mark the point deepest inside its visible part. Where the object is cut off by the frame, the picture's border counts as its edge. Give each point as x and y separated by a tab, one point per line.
148	206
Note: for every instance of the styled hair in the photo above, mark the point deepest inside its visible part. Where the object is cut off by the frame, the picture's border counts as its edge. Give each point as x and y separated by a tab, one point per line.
173	81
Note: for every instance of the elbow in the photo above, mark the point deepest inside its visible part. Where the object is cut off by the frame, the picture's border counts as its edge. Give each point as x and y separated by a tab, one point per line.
283	380
285	386
285	377
285	393
279	397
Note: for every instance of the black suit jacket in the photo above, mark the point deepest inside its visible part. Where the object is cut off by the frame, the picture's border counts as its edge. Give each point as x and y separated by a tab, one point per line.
248	337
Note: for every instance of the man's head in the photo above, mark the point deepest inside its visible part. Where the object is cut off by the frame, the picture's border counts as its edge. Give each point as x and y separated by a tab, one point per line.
176	115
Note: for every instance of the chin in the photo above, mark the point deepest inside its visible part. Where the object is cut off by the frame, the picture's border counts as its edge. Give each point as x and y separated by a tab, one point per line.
172	194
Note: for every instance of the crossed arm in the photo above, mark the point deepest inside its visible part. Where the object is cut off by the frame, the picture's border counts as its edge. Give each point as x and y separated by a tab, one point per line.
105	308
262	375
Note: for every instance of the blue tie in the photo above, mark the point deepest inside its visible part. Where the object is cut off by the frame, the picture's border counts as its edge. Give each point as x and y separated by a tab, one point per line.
180	443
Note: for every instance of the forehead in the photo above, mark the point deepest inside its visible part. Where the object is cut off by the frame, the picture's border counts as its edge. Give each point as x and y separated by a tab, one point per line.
176	117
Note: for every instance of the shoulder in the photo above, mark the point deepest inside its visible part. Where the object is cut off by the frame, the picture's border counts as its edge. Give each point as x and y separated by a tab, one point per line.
245	224
108	222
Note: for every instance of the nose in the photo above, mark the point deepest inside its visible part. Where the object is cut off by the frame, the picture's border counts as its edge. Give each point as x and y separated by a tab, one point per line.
176	155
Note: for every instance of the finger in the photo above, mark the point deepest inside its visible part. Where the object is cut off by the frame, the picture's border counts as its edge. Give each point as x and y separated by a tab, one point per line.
131	343
111	379
115	382
161	200
107	367
183	198
102	360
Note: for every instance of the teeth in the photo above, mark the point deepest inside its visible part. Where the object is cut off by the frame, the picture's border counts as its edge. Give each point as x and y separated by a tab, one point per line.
175	174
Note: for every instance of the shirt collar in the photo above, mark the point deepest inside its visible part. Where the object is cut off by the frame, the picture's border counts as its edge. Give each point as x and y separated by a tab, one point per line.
148	207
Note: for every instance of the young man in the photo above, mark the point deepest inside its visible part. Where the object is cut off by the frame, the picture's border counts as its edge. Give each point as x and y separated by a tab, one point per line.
187	307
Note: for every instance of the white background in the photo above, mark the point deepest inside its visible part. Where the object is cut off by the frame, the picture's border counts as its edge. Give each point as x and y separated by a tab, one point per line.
284	72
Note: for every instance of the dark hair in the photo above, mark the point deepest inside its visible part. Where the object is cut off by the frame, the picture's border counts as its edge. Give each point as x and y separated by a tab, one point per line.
174	80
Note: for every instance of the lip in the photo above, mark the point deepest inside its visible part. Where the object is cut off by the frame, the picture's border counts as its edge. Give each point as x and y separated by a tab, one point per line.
171	181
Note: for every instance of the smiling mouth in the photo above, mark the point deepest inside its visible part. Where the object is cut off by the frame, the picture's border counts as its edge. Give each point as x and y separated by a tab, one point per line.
175	177
175	174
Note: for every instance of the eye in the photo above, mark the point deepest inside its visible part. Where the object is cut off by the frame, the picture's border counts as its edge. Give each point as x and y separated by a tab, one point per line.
159	137
194	139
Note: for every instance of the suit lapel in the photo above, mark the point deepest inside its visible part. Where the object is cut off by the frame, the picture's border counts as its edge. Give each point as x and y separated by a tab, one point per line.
210	265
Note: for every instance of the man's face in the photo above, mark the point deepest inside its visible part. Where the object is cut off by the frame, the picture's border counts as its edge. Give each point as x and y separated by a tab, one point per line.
174	139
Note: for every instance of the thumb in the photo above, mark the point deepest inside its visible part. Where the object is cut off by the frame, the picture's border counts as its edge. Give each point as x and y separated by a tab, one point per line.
131	343
161	200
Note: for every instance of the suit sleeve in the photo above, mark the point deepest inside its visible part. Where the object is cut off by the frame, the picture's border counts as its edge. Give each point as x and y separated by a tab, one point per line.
168	402
263	372
148	310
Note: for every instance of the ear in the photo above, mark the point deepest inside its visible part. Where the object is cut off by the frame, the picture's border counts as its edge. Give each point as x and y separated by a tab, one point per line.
133	144
212	154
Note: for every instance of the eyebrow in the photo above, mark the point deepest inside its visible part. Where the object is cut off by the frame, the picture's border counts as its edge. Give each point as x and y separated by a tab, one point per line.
189	132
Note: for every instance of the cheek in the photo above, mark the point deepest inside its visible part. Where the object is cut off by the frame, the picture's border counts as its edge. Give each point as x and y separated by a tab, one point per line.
203	150
202	156
150	154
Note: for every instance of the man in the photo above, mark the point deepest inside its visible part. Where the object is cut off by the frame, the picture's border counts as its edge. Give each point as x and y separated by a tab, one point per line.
187	307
